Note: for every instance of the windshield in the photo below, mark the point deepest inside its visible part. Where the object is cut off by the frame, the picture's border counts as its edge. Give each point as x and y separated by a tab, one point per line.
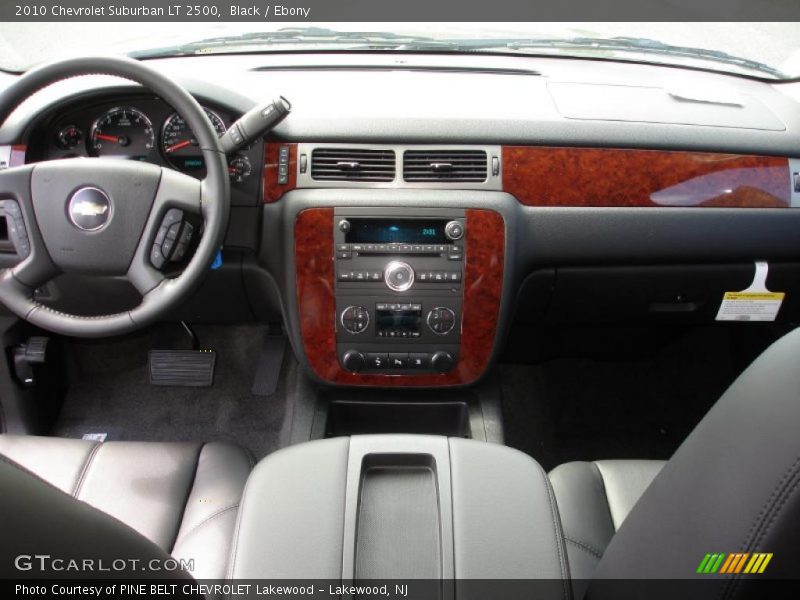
767	50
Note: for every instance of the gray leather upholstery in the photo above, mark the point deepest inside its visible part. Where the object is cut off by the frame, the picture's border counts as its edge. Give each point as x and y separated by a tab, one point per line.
183	497
732	486
495	507
44	521
594	498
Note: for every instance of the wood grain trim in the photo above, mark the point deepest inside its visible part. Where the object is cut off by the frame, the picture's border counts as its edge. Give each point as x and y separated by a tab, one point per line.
483	284
272	189
551	176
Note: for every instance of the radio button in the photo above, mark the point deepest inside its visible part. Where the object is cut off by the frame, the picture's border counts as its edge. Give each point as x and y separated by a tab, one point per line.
344	255
345	276
343	247
375	275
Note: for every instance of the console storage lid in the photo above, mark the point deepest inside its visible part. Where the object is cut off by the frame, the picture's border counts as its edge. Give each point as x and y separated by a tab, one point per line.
398	507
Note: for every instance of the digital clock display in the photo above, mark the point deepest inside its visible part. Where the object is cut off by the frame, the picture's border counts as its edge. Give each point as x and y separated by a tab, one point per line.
396	231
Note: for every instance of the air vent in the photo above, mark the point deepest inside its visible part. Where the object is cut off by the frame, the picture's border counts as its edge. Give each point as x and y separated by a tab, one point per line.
444	165
352	164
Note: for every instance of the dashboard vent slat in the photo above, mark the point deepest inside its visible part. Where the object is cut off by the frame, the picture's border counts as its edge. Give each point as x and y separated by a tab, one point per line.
445	165
352	164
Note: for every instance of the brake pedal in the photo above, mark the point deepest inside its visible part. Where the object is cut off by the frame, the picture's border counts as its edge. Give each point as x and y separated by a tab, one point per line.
187	368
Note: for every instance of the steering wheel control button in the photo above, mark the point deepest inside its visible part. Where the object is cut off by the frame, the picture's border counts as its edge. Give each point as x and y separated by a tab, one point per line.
172	239
454	230
17	232
355	319
89	209
399	276
441	320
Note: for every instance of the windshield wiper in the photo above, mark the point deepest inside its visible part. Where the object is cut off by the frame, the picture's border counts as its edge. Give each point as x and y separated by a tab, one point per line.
644	45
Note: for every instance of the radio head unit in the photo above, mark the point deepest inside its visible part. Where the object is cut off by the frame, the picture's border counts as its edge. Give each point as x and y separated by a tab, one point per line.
399	289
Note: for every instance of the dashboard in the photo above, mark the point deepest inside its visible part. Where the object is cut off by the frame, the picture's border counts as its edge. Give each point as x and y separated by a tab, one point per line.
585	192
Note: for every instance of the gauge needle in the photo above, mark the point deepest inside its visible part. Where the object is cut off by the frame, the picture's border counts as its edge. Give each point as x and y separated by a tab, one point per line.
108	138
178	146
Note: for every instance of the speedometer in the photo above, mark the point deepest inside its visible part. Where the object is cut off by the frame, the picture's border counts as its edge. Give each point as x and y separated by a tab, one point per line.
122	133
179	144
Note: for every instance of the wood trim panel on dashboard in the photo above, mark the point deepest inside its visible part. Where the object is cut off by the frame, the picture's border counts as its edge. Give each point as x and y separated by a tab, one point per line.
483	283
272	189
552	176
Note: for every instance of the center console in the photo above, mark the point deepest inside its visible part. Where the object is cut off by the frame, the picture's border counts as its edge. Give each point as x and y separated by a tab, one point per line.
401	507
388	296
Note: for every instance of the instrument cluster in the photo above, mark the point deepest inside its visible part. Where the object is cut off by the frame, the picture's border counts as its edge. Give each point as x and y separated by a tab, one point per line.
145	129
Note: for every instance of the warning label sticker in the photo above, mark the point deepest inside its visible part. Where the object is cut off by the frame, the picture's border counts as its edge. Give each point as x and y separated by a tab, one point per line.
756	303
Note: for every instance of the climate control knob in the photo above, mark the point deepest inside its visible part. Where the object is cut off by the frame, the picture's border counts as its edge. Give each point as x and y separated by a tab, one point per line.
398	275
442	362
353	361
441	320
355	319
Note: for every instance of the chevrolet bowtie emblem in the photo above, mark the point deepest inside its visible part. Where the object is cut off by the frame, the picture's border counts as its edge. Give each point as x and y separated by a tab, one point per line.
89	209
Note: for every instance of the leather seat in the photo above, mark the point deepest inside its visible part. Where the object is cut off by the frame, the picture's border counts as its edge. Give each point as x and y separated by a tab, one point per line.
183	497
733	486
594	498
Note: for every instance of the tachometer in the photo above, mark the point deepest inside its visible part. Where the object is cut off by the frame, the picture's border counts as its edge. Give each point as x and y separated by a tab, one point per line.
179	144
123	133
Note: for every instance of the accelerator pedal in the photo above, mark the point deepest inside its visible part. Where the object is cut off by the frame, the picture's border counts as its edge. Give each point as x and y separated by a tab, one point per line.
186	368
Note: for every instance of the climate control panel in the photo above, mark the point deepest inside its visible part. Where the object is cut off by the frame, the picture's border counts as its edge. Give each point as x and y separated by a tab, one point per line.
398	289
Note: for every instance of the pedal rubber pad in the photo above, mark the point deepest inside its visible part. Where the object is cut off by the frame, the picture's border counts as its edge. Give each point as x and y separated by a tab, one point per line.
188	368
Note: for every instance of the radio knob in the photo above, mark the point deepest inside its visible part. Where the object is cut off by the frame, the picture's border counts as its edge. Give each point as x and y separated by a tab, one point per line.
344	225
398	275
454	230
442	361
353	361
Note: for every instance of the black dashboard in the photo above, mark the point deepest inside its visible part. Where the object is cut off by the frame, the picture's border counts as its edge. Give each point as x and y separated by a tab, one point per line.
570	254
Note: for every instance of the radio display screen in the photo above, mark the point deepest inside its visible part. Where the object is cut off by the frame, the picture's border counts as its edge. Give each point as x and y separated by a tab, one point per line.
396	231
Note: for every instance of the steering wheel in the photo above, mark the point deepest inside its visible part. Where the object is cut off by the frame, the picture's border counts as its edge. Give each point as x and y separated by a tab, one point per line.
108	217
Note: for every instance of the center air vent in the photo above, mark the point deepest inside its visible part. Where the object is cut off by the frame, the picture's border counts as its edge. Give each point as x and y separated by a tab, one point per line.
352	164
444	165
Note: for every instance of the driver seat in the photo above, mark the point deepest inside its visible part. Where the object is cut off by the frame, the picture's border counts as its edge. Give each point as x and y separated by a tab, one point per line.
182	497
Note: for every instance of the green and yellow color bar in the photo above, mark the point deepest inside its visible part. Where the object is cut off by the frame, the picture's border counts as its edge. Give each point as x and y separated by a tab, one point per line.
738	562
